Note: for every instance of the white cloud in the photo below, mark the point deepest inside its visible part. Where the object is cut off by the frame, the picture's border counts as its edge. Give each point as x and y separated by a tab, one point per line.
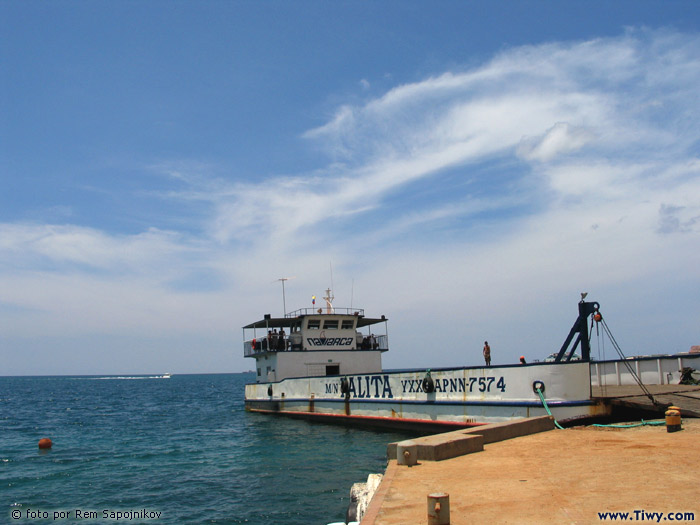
595	100
561	138
61	246
462	203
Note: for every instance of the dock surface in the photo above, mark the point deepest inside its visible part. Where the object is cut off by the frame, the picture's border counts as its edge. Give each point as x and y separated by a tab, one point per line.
687	397
559	476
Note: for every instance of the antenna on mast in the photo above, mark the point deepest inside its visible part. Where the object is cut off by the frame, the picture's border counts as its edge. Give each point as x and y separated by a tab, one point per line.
352	292
284	299
329	297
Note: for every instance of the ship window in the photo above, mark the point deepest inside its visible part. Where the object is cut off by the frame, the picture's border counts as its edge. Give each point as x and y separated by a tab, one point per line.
330	325
348	324
258	372
313	324
332	370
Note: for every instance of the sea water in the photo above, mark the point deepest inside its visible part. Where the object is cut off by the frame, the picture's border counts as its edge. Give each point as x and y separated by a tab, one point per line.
152	449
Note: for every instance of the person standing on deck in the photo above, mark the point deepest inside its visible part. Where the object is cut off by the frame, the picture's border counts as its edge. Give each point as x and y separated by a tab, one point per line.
487	353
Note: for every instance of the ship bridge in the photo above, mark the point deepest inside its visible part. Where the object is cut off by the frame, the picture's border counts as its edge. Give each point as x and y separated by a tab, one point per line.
315	341
313	329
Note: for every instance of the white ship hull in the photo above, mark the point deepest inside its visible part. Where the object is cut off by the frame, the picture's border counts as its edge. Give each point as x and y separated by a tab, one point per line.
327	369
461	396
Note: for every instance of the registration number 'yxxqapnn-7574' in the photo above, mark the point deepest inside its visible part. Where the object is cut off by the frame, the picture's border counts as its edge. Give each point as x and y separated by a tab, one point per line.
460	384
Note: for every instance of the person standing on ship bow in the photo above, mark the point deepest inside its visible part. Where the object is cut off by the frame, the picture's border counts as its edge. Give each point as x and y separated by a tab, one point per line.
487	353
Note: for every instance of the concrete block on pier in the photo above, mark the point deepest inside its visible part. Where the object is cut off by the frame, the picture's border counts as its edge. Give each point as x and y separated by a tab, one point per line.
465	441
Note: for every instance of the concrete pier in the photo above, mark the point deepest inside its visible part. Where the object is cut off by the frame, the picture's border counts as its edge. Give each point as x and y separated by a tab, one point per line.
561	476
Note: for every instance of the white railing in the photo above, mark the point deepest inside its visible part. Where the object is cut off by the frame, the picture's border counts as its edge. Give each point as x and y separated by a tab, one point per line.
274	344
324	309
652	370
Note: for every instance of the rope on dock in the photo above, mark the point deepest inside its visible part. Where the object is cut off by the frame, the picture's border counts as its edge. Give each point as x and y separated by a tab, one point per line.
642	424
633	425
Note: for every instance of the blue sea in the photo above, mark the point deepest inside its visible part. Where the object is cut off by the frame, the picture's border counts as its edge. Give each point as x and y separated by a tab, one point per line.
171	450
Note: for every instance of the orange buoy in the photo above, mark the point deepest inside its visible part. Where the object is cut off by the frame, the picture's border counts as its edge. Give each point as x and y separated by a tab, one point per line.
597	317
45	443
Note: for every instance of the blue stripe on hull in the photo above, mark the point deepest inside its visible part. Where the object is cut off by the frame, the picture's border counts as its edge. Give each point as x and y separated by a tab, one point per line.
353	401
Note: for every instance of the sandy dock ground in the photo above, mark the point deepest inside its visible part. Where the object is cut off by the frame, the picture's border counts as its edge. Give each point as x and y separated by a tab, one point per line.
561	476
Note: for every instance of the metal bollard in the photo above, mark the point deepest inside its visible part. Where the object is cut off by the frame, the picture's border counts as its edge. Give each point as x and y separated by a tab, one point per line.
673	419
407	453
439	508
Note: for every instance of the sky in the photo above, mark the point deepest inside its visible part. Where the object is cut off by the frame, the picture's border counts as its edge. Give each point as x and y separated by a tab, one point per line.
465	168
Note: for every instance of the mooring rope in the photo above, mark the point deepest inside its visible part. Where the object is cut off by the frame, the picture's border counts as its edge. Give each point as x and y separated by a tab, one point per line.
633	425
642	424
544	403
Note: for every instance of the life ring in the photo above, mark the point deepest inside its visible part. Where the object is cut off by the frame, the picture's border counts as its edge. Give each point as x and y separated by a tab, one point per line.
538	385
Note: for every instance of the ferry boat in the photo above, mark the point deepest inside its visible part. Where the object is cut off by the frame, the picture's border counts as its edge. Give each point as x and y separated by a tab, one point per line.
325	364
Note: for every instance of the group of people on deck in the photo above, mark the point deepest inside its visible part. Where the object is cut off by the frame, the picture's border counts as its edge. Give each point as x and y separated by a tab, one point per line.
369	342
274	341
278	341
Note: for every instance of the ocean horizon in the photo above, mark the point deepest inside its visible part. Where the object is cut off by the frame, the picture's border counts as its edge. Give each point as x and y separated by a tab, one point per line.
148	448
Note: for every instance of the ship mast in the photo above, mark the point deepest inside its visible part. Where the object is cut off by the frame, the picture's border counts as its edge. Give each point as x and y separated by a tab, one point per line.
329	301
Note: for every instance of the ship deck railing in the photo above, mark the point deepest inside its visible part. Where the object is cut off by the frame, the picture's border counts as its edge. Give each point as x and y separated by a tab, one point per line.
262	346
323	310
